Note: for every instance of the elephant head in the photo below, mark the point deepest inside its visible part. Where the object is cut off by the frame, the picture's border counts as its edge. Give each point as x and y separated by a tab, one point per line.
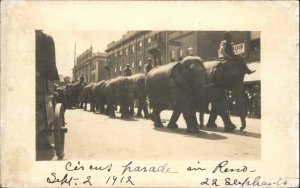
230	75
190	75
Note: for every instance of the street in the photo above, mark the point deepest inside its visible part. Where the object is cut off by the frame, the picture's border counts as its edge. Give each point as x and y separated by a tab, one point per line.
98	137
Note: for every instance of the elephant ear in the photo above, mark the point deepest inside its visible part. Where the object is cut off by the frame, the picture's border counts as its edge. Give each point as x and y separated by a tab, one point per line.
180	75
217	73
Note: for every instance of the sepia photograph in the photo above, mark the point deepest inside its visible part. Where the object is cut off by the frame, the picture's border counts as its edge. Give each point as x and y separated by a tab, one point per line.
128	97
149	94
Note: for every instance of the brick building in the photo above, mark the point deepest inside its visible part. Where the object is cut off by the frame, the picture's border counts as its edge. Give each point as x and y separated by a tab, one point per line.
134	49
167	46
91	65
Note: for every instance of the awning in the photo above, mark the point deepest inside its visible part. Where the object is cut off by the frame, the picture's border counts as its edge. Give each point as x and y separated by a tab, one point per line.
254	76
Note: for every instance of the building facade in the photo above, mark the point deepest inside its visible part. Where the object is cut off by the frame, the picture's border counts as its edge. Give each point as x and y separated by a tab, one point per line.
168	46
134	49
91	66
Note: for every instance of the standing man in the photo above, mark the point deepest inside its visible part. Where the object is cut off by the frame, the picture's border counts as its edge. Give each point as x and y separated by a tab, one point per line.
149	65
128	71
81	79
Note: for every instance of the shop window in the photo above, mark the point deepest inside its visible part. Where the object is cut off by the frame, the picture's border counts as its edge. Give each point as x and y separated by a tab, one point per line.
180	54
255	45
173	56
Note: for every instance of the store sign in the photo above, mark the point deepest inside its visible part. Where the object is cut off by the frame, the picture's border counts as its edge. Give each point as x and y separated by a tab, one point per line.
239	48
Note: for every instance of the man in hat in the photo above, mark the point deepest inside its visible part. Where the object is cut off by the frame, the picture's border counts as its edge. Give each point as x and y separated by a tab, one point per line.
226	52
149	65
81	79
128	71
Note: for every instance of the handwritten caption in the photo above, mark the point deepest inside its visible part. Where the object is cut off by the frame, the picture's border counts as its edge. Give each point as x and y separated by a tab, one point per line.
130	172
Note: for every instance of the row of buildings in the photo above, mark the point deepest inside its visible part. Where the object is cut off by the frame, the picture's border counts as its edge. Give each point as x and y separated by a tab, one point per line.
135	47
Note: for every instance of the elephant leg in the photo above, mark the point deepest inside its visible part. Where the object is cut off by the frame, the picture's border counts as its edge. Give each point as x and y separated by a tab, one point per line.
146	113
131	110
201	119
229	126
242	112
85	105
156	117
174	118
139	112
189	116
213	116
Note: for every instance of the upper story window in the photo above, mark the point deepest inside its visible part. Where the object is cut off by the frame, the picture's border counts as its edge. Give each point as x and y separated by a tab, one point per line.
126	51
132	49
115	69
121	52
132	64
149	40
140	45
140	62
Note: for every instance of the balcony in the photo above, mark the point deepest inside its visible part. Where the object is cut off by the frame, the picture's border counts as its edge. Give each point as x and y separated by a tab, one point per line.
155	45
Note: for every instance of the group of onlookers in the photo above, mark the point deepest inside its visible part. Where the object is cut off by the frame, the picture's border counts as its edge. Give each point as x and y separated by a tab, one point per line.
252	98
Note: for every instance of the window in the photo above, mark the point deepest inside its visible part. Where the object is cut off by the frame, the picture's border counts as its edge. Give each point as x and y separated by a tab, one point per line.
149	40
190	51
180	54
120	68
173	56
121	53
115	69
140	62
126	51
140	45
132	49
116	55
132	64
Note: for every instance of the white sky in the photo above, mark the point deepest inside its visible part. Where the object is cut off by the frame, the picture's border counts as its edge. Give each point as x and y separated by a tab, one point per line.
65	44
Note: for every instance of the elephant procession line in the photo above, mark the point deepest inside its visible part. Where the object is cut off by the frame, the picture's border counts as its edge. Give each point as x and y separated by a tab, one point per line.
186	87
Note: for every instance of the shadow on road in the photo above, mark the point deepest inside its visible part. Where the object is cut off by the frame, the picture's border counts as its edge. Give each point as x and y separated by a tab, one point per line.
235	132
183	131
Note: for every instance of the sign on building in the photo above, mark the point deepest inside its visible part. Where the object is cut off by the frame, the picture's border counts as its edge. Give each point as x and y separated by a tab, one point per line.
239	48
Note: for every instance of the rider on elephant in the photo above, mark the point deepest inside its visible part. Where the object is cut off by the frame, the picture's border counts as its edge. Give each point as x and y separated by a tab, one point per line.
226	52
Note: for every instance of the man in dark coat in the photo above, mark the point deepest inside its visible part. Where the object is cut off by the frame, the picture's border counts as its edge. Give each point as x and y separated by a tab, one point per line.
149	65
128	71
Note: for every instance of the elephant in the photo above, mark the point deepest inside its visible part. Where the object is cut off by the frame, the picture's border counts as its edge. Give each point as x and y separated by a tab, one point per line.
119	91
87	97
140	94
73	92
99	96
181	85
222	75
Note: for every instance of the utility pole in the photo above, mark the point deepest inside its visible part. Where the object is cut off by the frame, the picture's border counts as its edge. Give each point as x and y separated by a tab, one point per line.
74	71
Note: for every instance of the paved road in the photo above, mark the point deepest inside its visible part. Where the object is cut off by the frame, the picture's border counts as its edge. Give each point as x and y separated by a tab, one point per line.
97	137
